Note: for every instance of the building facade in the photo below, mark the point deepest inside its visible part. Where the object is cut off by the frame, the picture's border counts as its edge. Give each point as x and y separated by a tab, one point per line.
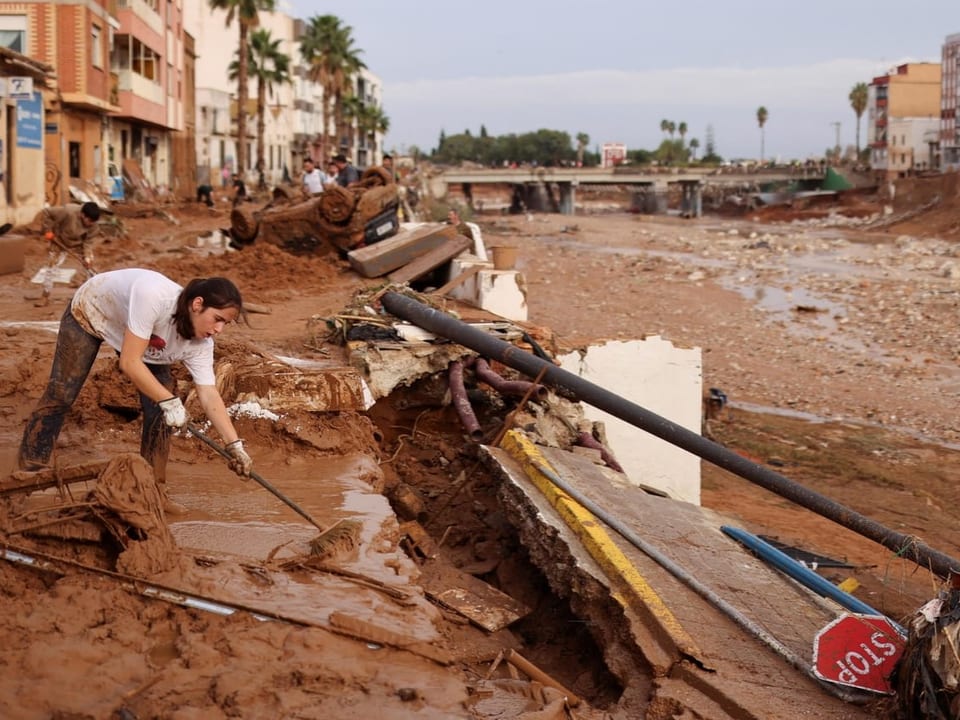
120	87
293	112
949	136
902	105
23	84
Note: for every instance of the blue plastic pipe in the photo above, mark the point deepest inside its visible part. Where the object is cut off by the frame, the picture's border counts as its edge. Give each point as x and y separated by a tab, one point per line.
802	574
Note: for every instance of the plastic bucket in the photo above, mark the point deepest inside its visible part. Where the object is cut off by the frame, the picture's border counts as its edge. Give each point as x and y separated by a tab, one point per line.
504	257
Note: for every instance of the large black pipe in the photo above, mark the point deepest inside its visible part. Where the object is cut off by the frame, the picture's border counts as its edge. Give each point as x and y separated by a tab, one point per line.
442	324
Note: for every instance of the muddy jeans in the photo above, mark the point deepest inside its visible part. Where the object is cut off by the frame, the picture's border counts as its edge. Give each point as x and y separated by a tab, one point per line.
72	360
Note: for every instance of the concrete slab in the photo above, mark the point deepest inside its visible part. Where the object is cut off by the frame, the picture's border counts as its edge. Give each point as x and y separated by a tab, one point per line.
743	673
657	376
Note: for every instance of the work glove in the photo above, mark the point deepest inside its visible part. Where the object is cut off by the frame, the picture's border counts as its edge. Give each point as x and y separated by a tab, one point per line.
240	462
174	413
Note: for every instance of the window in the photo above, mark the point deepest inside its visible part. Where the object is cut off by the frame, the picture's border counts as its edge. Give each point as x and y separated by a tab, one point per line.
13	32
96	47
74	159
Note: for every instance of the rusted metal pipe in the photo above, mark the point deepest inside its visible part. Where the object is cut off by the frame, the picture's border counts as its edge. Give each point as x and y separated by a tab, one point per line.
587	440
458	393
502	385
439	323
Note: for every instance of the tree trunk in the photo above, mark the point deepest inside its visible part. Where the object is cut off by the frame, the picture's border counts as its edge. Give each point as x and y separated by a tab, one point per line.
242	73
261	130
324	131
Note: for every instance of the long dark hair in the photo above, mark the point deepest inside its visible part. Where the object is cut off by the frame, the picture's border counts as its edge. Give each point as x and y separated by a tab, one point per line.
216	292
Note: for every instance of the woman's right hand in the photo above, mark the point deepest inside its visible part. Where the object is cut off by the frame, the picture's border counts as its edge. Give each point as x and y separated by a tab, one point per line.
174	413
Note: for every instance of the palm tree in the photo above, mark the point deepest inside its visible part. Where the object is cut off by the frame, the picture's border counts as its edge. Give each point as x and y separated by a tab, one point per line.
664	126
671	128
372	121
327	47
694	146
682	129
762	116
269	66
247	14
858	101
582	141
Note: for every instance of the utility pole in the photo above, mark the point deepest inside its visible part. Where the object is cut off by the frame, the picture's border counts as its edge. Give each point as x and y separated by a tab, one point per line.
836	126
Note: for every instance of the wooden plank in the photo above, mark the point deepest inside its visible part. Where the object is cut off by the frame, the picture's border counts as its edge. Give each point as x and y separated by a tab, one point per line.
372	632
477	601
395	252
26	482
458	280
431	260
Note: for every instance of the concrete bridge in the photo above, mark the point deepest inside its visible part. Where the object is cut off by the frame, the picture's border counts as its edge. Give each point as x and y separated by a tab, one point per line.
554	188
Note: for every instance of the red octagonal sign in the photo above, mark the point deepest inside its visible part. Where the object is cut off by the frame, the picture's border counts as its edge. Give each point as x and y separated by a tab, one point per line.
858	650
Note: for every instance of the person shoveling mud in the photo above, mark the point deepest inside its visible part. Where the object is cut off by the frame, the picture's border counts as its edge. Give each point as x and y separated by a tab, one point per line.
151	322
70	230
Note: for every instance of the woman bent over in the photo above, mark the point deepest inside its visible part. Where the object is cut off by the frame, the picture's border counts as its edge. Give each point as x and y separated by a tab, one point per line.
151	322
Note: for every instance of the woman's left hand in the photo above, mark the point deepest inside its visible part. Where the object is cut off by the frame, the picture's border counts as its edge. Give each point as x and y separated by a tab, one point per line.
240	462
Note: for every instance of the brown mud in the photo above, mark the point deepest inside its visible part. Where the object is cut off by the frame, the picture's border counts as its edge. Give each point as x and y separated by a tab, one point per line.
855	399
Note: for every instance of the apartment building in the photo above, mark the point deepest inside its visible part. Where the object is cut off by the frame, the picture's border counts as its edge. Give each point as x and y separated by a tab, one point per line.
216	101
120	86
903	107
293	115
149	61
949	135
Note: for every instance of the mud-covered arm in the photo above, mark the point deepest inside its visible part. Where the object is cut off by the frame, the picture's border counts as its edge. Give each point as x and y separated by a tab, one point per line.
132	365
216	412
51	218
93	232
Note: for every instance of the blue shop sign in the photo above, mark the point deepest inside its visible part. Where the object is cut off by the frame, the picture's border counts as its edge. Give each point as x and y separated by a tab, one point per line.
30	122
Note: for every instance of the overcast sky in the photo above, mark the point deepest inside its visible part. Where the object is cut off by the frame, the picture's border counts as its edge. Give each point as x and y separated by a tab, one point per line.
615	68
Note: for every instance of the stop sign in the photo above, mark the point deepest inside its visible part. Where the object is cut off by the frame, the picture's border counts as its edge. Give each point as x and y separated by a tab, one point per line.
858	650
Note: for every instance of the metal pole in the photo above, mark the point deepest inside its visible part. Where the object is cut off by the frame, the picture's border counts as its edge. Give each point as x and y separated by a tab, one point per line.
440	323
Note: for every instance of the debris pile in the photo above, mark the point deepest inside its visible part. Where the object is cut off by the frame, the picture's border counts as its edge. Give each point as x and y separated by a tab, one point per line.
927	679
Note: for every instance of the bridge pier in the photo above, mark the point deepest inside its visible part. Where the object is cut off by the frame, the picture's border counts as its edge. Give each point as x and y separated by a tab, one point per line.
645	200
691	198
568	200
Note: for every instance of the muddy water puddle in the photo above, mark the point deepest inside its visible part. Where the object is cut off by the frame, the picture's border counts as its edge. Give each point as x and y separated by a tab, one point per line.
804	312
247	532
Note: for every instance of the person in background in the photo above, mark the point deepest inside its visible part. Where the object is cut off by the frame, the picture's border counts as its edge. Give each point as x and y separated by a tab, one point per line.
70	230
152	322
331	176
239	190
312	178
205	194
346	172
388	165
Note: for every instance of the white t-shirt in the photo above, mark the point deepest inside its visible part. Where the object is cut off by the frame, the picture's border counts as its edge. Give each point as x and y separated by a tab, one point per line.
313	181
144	301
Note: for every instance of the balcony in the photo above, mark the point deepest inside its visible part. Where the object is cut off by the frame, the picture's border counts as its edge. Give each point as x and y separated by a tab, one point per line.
144	10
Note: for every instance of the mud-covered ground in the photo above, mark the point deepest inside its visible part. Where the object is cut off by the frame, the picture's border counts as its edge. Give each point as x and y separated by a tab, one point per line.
836	345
